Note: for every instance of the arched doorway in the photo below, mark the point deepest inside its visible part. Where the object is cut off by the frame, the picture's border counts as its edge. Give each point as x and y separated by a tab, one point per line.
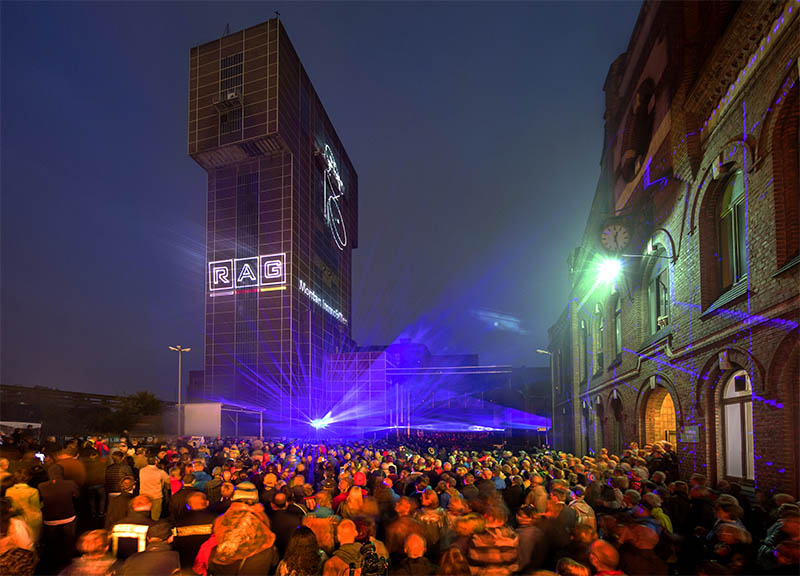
659	419
600	425
615	418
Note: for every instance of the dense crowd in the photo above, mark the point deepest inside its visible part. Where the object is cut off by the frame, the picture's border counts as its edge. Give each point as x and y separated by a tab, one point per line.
407	507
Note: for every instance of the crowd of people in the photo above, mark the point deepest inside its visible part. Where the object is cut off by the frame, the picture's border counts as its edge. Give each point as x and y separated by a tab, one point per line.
402	507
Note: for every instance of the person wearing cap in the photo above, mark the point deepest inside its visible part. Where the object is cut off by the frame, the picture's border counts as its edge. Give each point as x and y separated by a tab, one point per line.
158	558
245	493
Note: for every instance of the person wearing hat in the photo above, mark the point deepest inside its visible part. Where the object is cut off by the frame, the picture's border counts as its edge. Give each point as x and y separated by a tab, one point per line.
245	493
158	558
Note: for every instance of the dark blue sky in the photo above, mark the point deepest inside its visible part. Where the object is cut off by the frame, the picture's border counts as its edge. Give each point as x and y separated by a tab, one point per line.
476	131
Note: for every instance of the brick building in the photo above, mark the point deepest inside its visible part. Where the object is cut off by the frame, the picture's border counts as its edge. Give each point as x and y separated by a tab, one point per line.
695	340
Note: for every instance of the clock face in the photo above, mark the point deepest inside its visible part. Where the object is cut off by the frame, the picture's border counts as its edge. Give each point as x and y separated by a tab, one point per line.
615	237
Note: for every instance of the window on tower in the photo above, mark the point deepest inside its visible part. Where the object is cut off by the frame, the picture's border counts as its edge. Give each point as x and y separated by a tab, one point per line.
230	72
230	88
230	121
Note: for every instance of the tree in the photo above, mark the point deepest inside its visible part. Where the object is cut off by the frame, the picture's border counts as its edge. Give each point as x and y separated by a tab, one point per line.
130	411
141	404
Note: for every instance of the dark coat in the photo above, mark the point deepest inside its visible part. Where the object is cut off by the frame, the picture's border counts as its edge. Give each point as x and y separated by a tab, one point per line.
284	523
118	507
413	567
158	560
194	528
177	503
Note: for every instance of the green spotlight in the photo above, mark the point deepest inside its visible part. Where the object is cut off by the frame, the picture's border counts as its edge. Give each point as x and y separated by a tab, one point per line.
608	270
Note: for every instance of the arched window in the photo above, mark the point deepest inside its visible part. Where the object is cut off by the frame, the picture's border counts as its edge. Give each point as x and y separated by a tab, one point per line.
618	327
737	426
598	336
658	290
786	166
587	428
732	223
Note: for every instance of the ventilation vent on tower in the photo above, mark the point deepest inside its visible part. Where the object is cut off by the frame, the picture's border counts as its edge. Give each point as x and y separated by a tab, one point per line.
251	149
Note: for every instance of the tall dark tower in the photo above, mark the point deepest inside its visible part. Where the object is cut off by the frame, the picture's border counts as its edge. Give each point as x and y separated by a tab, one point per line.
282	222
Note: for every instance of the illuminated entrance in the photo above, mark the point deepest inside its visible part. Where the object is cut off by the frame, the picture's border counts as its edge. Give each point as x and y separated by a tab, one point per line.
659	420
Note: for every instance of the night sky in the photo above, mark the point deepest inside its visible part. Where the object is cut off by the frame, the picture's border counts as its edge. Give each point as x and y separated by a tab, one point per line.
476	130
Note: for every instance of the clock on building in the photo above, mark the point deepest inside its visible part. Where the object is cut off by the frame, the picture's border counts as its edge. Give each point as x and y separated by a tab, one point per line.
615	237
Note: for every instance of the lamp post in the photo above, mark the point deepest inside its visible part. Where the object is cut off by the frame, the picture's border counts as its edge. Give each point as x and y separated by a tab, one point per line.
180	350
552	394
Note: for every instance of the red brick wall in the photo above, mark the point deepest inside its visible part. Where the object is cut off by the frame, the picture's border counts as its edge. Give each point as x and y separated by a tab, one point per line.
760	328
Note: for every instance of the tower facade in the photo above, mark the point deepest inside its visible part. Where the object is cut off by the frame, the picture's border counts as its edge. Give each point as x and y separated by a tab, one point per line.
282	221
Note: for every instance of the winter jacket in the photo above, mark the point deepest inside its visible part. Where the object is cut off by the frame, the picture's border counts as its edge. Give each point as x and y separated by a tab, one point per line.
494	552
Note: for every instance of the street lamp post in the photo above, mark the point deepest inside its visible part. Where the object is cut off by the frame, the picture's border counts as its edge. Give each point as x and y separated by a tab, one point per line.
180	350
552	395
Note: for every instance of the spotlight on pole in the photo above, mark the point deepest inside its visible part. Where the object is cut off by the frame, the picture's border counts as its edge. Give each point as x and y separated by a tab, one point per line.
608	270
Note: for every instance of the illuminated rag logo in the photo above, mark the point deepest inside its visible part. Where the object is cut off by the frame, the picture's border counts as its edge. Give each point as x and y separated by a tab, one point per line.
241	273
220	275
334	189
273	269
246	272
